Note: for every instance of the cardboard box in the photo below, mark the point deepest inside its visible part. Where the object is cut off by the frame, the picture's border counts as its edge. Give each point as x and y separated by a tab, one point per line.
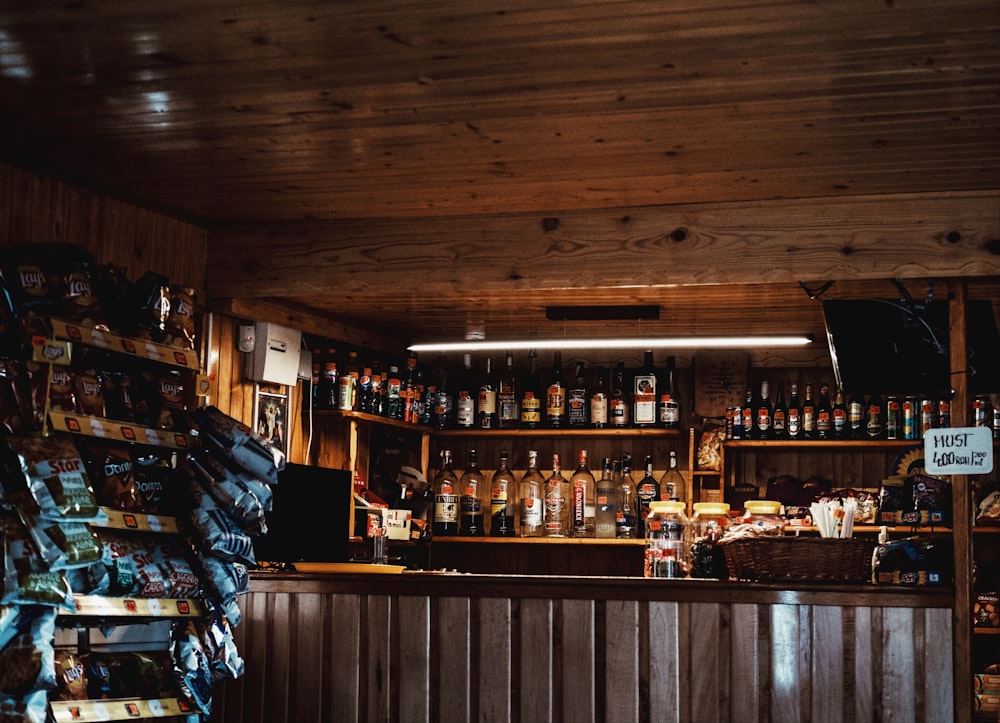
986	610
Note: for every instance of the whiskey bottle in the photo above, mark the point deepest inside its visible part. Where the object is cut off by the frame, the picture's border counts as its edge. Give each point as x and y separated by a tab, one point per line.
606	502
471	486
445	499
619	402
465	396
531	399
577	401
599	402
749	413
530	502
507	412
582	486
486	403
502	499
670	404
555	395
647	492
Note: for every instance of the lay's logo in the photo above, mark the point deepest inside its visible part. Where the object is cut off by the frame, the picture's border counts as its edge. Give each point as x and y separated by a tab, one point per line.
32	280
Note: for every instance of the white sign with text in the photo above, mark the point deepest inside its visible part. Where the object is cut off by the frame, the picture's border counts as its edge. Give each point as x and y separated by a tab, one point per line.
962	450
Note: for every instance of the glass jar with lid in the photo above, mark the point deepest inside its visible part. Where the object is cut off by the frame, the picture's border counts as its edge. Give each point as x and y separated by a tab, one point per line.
764	516
708	525
667	540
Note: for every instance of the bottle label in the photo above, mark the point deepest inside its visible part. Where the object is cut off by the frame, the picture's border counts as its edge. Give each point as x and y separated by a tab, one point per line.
531	409
555	401
446	508
531	511
579	499
779	421
576	415
670	410
619	412
498	503
507	403
793	423
487	401
465	410
823	422
763	419
808	419
599	409
347	390
644	399
553	507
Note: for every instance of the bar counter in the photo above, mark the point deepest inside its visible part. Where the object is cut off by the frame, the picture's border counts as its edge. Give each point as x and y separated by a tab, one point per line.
434	646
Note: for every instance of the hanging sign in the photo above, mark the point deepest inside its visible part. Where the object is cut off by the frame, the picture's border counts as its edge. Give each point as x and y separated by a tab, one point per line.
962	450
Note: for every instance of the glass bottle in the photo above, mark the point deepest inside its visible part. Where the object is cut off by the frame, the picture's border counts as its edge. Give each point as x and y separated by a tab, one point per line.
444	407
779	417
577	400
794	415
555	395
672	484
619	402
809	414
465	396
531	399
824	414
855	417
486	403
708	525
668	551
749	415
647	491
670	403
606	502
644	393
347	388
839	415
557	496
530	502
875	417
471	486
445	498
582	486
502	499
626	516
394	394
326	396
507	412
599	402
410	388
762	413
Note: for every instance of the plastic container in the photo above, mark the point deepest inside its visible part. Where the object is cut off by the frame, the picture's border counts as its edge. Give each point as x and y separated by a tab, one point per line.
668	541
708	525
765	515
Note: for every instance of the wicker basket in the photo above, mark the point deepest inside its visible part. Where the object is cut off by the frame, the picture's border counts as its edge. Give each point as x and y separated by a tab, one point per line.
805	559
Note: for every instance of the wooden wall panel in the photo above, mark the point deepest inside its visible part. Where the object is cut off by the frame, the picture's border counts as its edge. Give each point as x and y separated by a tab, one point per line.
498	658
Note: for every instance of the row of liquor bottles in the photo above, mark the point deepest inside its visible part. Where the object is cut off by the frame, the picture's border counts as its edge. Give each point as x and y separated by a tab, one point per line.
501	398
610	505
845	416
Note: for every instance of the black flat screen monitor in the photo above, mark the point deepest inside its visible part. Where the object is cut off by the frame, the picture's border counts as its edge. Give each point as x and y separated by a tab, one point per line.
309	521
879	345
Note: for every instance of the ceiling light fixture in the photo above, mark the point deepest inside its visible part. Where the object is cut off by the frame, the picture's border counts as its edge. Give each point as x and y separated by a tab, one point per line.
680	342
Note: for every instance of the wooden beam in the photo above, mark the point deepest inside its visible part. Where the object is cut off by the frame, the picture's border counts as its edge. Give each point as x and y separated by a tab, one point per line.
908	236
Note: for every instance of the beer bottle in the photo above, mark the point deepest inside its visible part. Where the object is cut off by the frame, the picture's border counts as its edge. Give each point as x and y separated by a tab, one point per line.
502	499
809	414
749	415
855	417
779	417
794	415
875	417
762	413
839	415
471	500
445	499
824	414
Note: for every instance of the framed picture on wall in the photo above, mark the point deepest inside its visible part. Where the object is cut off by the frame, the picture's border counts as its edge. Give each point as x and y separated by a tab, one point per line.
270	416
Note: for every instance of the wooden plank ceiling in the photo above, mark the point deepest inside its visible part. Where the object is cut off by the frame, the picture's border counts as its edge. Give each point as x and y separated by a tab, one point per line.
264	119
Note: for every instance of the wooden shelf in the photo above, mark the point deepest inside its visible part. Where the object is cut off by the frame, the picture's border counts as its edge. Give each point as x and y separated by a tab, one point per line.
371	418
565	432
99	606
120	520
71	711
821	443
538	540
109	429
182	358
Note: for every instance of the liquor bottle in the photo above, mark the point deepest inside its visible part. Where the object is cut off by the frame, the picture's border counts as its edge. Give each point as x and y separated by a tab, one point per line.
672	485
531	399
577	401
824	414
855	417
326	396
582	485
619	402
647	492
840	430
779	417
410	388
794	415
555	395
507	412
416	398
606	502
644	393
669	408
599	402
762	413
502	499
470	502
809	414
445	498
347	387
626	516
444	406
530	502
394	394
557	496
486	404
749	415
465	396
875	417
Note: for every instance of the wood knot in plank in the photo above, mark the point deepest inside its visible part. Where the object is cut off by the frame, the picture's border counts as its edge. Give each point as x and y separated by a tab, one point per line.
678	234
550	224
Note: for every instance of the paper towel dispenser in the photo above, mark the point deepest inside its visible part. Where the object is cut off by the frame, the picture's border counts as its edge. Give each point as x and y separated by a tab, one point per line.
275	355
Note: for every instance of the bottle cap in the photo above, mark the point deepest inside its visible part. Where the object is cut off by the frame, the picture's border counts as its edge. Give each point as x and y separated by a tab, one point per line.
762	507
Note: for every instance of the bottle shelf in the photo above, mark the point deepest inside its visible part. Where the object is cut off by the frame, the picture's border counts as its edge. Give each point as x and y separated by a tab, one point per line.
183	358
121	520
110	429
99	606
458	539
370	418
565	432
74	711
821	443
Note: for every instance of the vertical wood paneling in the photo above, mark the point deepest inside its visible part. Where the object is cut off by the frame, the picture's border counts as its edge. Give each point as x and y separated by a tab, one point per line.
380	682
342	681
864	678
454	643
898	685
621	660
280	690
669	656
746	663
495	650
415	657
308	611
537	660
786	668
708	647
827	642
937	656
577	656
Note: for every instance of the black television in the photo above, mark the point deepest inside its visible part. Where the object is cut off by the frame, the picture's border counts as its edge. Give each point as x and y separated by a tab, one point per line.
892	347
310	517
